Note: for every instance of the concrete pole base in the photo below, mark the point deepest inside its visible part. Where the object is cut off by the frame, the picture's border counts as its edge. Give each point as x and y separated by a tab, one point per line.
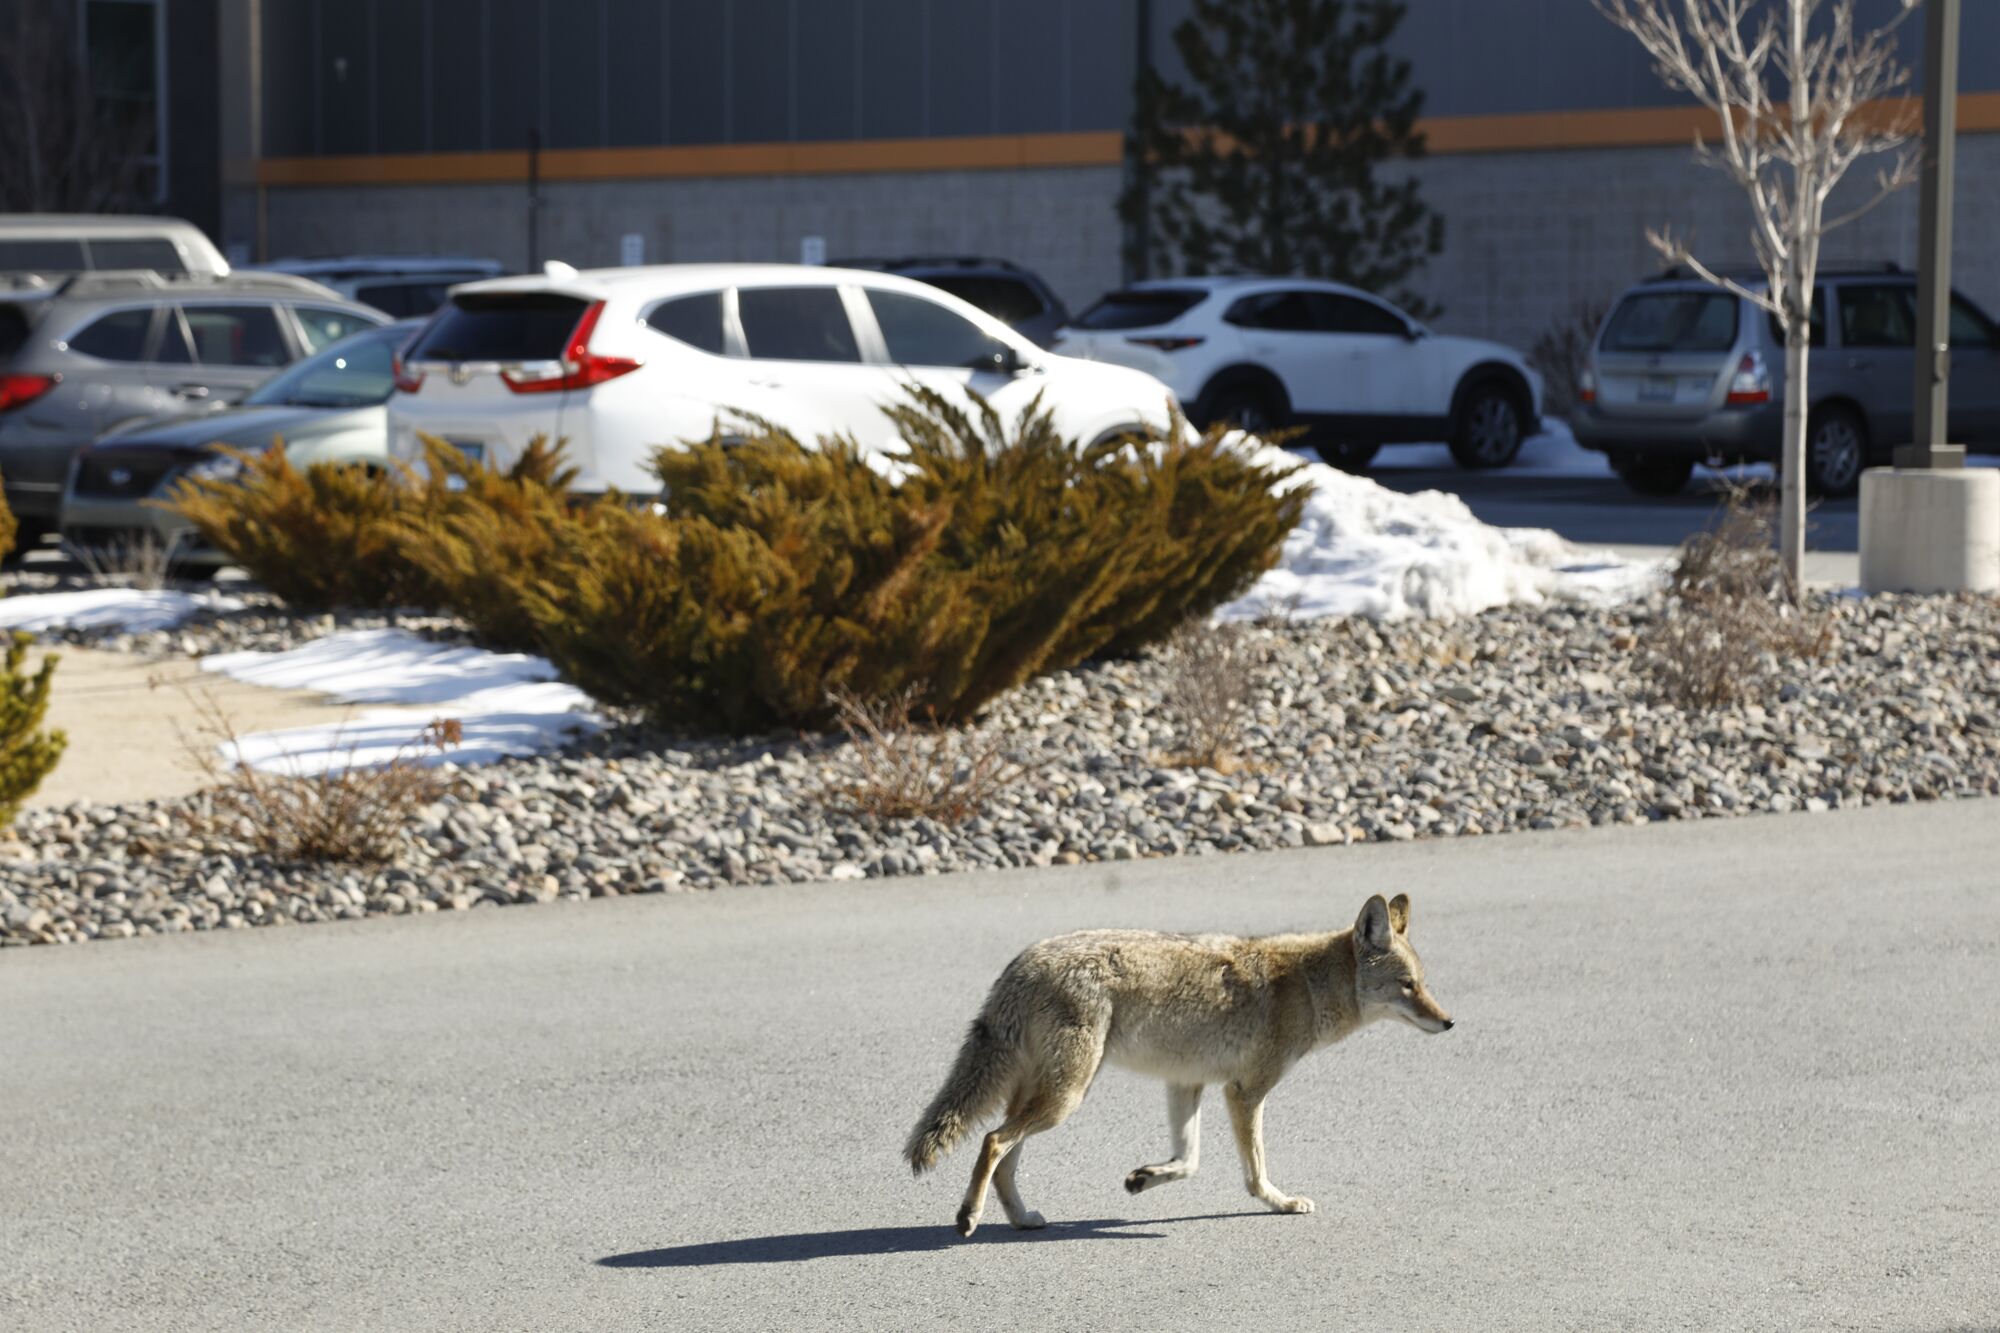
1927	530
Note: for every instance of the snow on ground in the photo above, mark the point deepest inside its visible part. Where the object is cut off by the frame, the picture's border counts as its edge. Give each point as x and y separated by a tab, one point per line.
1363	549
505	703
117	610
1553	453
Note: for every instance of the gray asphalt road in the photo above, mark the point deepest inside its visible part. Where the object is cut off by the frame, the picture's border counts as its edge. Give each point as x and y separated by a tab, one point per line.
1731	1075
1604	511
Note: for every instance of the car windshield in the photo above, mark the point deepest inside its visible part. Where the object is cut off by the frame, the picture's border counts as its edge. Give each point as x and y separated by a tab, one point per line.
354	372
1672	322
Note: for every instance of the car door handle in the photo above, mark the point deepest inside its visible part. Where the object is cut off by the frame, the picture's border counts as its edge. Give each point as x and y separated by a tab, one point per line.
190	391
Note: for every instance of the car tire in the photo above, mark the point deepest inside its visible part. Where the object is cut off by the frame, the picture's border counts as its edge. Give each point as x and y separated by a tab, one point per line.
1653	476
1836	451
1347	457
1246	407
1487	430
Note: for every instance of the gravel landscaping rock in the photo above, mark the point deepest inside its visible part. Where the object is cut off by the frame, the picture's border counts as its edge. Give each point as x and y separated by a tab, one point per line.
1519	719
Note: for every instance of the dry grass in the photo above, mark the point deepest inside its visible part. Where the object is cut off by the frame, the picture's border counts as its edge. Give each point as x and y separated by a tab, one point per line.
1731	620
898	766
351	813
1562	354
145	562
1210	680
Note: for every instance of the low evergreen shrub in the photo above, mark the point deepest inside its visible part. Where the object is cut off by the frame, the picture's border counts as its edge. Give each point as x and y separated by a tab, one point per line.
320	539
775	577
7	528
27	752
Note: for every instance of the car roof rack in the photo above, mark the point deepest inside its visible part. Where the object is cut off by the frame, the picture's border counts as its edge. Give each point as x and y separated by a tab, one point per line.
112	282
1751	272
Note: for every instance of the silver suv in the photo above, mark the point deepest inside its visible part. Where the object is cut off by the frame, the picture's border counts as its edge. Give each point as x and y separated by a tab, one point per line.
1685	373
102	350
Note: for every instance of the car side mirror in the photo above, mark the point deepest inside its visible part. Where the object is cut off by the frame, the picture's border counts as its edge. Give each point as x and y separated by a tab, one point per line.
1002	360
1415	332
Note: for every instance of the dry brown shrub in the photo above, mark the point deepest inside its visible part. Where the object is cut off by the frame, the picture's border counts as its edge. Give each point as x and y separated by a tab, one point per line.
897	765
1731	618
350	813
1210	680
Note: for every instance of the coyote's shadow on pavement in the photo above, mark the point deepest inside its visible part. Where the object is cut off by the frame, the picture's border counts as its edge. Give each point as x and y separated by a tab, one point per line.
891	1240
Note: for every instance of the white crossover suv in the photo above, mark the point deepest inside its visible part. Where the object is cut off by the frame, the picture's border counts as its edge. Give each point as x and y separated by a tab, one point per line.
1352	370
618	362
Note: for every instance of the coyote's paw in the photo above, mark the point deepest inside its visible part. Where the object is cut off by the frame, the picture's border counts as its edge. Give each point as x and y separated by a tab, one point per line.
1138	1180
1029	1221
967	1220
1284	1205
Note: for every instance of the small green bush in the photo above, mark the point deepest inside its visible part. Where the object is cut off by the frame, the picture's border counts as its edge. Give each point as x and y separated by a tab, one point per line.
778	576
482	538
320	539
27	753
7	528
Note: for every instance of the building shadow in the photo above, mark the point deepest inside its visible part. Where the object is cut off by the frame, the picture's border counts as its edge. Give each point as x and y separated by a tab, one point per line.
800	1246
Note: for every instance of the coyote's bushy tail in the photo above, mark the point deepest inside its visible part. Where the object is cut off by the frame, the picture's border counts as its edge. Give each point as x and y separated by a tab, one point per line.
978	1080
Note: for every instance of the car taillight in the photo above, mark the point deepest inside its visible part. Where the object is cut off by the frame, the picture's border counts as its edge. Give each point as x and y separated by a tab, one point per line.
1586	387
407	380
20	390
1166	344
1752	383
580	367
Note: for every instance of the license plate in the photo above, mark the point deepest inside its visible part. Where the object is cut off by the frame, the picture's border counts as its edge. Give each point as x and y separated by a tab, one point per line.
1656	389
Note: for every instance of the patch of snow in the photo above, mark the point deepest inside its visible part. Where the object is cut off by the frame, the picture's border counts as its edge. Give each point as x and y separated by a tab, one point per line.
1362	549
505	703
1553	453
118	610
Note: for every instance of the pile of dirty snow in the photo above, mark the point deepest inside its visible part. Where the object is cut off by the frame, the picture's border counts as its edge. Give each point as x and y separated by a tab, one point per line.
1362	549
505	703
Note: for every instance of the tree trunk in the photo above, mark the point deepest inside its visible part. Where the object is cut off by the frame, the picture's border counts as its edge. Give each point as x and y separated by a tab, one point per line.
1792	490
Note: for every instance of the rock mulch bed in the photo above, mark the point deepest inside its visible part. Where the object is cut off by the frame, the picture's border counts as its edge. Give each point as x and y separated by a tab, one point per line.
1517	719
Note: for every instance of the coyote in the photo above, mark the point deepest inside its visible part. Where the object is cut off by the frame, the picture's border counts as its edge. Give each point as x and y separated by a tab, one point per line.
1191	1009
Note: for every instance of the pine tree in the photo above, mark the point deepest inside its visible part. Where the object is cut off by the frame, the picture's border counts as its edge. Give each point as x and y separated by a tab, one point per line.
27	753
1266	160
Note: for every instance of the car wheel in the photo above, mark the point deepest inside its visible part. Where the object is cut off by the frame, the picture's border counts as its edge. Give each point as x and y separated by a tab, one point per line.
1246	407
1487	431
1653	476
1348	457
1836	451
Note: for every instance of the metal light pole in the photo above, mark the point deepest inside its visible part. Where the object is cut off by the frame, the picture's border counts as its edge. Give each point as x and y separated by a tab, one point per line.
1933	379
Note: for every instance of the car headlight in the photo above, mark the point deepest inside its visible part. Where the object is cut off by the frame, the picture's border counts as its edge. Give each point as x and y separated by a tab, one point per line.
216	467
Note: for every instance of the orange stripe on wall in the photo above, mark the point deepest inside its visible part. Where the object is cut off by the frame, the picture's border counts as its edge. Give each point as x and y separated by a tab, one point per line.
1542	131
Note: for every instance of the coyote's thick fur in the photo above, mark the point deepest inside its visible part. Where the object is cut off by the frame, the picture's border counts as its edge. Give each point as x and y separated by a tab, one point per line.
1191	1009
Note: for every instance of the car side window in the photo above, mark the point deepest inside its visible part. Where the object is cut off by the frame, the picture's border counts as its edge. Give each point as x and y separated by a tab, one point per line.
156	253
1969	328
796	324
1349	314
323	326
1817	322
923	333
118	336
1877	315
694	320
236	335
1284	312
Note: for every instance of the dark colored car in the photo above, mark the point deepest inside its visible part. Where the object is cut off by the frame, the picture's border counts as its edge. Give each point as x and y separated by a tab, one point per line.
1002	289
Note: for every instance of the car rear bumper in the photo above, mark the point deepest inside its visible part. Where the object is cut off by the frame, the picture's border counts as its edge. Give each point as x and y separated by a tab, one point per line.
1734	435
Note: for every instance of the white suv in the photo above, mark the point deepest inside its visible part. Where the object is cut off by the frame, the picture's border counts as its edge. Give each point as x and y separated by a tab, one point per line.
618	362
1352	369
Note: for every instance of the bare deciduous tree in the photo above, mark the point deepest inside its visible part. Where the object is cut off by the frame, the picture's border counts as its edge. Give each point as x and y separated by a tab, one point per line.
1736	57
66	151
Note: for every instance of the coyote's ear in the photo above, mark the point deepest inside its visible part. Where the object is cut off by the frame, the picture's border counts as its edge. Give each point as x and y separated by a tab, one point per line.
1372	926
1399	914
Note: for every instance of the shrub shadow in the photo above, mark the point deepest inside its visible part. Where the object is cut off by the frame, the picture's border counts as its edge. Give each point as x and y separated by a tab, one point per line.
794	1248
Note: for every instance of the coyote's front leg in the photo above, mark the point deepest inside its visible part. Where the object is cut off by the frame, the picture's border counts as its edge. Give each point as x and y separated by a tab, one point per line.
1246	1114
1184	1120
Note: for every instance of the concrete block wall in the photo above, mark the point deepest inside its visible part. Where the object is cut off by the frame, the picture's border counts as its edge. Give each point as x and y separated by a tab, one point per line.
1527	234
